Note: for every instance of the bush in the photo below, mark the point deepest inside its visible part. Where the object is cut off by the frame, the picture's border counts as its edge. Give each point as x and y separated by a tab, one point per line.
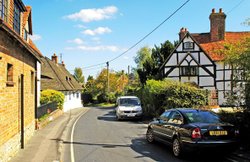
87	98
50	95
156	96
103	97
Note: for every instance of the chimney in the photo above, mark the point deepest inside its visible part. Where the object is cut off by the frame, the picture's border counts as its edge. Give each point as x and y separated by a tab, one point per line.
217	25
54	58
182	33
63	64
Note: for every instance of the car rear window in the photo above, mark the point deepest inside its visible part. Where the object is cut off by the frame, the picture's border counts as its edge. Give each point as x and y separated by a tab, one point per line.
202	117
129	102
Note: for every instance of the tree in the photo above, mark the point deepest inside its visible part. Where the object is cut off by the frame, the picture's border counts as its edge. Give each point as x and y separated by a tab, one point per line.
142	55
238	56
78	75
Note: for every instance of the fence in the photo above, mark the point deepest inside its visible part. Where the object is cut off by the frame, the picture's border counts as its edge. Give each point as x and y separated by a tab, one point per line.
46	109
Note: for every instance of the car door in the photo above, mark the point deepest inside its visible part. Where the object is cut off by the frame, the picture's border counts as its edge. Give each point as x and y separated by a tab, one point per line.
159	132
172	125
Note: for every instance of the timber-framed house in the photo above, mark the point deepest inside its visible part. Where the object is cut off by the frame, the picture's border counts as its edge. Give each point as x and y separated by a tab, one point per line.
197	59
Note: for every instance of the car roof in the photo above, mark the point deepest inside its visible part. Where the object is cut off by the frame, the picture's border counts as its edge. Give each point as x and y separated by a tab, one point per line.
127	97
187	109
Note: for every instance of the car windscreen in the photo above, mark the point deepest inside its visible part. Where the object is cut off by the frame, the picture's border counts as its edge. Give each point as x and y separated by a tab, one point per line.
201	117
129	102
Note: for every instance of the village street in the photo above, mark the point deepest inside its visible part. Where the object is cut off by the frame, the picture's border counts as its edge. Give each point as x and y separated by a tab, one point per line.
99	137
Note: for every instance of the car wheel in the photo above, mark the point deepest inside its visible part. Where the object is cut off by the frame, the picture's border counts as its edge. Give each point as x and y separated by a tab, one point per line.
150	136
117	117
177	150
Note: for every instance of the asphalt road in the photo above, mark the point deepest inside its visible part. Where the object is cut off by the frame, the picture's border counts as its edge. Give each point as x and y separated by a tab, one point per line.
98	137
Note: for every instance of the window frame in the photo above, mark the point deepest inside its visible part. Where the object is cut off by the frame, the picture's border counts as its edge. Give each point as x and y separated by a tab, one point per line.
10	75
188	45
189	71
17	18
4	10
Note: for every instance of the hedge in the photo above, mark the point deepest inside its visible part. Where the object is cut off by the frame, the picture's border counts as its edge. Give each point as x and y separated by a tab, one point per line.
50	95
159	95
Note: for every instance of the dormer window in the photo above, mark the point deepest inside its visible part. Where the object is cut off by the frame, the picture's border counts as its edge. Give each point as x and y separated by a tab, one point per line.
3	9
17	15
25	35
188	45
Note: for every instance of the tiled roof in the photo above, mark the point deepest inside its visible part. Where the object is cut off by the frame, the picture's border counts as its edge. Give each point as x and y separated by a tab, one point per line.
26	16
55	76
32	45
213	48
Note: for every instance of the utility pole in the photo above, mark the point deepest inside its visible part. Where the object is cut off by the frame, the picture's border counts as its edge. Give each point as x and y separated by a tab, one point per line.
107	77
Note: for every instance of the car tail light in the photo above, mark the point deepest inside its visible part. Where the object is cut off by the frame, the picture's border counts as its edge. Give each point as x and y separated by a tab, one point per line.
196	133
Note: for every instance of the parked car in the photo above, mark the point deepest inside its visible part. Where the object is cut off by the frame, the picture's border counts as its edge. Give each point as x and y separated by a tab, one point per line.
128	107
187	129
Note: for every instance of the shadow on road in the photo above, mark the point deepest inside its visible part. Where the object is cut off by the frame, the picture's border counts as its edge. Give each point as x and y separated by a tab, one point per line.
161	152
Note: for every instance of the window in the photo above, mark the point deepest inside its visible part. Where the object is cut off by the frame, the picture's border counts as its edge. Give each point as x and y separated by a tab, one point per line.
165	115
77	95
32	82
188	45
10	75
189	71
25	35
175	118
16	23
3	9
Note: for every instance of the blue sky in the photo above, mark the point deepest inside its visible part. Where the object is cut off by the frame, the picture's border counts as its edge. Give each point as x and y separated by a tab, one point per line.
89	32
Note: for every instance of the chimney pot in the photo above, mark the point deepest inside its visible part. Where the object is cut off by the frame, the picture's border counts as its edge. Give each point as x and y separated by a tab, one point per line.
54	58
213	10
220	10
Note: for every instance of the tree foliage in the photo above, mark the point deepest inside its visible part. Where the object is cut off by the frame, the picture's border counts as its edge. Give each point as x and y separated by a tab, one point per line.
159	95
237	55
50	95
149	61
79	75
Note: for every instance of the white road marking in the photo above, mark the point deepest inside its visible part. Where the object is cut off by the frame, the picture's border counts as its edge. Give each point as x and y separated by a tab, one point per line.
71	138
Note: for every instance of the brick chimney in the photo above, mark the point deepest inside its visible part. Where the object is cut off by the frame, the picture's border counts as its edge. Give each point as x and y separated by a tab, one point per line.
63	64
54	58
182	33
217	25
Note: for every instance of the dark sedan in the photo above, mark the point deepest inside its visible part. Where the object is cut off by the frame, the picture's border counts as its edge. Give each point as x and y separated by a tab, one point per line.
187	129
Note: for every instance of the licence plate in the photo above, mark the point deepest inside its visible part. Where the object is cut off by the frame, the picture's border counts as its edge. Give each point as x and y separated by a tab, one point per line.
217	133
130	115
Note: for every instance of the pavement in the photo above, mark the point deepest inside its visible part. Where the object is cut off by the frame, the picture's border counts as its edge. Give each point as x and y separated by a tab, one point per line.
44	145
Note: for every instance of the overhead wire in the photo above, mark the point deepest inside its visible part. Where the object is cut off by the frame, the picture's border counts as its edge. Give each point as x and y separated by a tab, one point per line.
143	38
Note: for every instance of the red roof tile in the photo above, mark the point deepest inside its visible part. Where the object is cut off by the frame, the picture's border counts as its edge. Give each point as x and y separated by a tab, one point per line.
213	48
32	45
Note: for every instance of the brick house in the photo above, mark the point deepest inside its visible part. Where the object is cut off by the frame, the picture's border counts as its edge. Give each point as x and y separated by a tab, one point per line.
55	76
197	59
19	78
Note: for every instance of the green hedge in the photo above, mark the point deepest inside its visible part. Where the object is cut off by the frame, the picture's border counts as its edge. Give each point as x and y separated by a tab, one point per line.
159	95
50	95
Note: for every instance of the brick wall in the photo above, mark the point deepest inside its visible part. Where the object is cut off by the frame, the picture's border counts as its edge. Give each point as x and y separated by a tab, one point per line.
12	52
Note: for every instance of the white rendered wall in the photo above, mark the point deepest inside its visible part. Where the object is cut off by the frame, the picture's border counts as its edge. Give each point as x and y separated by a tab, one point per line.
72	100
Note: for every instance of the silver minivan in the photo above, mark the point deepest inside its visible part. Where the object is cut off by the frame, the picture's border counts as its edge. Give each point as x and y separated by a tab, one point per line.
128	107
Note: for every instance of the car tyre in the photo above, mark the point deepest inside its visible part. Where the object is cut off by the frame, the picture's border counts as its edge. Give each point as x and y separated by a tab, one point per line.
149	135
177	148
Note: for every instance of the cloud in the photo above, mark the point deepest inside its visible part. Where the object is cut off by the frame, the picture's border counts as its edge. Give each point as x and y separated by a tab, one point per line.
94	48
76	41
99	30
94	14
80	26
35	37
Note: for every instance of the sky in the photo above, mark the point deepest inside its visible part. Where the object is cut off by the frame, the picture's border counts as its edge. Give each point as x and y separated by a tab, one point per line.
84	33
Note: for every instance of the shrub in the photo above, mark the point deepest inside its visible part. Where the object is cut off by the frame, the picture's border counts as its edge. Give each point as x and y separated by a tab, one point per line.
159	95
87	98
50	95
103	97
